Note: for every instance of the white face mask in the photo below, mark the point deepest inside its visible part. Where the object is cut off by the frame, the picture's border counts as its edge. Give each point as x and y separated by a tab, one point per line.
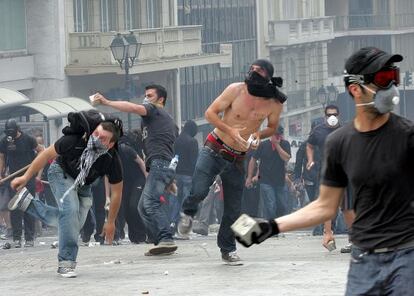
146	100
384	99
332	120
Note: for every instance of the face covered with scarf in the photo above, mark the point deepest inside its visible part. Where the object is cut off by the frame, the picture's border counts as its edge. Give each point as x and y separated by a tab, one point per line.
98	144
260	82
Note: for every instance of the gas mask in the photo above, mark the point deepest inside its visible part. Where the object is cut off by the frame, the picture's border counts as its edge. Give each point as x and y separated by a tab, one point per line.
384	99
332	120
11	134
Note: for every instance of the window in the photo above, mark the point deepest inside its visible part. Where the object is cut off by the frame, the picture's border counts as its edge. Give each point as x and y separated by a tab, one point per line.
290	9
12	25
109	13
154	14
81	13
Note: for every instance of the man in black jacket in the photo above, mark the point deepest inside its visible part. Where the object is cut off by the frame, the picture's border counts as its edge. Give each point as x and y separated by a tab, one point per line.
186	147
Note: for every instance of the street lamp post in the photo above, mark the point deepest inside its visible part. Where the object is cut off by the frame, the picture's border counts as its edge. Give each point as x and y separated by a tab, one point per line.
125	49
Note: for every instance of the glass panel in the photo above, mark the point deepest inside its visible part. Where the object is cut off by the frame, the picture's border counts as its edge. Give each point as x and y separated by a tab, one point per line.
109	15
12	25
81	15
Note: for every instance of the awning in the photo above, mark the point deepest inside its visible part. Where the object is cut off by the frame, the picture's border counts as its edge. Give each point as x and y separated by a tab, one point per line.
10	98
51	109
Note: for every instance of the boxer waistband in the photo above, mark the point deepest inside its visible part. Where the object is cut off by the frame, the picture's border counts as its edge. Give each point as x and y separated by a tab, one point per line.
217	145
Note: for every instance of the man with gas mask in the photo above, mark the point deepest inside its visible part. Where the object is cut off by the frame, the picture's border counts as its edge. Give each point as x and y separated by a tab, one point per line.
317	139
374	155
18	149
244	106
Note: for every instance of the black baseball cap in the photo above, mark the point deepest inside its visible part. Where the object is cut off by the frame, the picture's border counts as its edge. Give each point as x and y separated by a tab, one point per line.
370	60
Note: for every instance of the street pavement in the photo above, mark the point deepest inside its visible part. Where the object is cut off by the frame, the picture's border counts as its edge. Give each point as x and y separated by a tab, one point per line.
295	264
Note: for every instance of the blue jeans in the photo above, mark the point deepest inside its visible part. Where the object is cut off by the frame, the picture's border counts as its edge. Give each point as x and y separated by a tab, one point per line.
388	273
183	188
70	215
209	165
273	197
156	220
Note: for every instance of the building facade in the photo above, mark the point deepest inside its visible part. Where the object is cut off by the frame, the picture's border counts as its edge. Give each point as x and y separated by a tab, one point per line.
60	48
309	40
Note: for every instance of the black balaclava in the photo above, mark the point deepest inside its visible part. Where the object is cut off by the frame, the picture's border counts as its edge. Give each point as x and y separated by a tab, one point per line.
265	87
11	128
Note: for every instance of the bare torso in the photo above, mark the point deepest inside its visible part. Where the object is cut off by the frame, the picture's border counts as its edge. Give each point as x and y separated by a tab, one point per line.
247	113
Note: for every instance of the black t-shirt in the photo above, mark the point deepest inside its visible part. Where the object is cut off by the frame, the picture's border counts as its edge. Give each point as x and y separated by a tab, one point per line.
18	153
131	169
70	149
158	133
186	147
318	137
272	167
379	166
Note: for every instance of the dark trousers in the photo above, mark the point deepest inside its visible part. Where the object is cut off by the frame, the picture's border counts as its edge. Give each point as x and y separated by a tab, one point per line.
250	202
17	217
96	216
128	212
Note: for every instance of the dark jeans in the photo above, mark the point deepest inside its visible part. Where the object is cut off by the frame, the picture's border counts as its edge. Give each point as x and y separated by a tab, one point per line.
156	220
209	165
17	217
388	273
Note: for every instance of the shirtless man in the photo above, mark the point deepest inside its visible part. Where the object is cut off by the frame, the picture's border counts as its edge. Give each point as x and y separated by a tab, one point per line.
244	105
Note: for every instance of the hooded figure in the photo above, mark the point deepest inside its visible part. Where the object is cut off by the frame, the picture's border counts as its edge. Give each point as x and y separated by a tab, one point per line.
190	128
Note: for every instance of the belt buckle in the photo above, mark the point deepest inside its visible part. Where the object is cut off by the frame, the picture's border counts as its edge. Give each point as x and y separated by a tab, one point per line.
226	155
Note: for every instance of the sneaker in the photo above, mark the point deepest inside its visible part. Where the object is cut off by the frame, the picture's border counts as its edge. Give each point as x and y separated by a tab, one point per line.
67	272
116	242
347	248
231	258
21	200
163	248
29	244
17	244
148	253
201	228
185	224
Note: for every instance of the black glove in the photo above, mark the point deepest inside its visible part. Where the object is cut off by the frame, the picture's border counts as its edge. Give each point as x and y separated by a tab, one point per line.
268	228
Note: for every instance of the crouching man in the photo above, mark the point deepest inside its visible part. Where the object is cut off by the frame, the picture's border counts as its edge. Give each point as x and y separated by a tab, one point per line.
79	161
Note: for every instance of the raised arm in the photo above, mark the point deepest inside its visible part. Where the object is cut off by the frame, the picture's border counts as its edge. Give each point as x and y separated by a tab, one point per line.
123	106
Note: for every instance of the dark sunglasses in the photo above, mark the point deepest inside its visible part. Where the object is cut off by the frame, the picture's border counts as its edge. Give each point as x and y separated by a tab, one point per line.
330	114
385	77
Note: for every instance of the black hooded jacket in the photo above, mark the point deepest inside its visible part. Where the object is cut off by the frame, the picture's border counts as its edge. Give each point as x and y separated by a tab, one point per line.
186	147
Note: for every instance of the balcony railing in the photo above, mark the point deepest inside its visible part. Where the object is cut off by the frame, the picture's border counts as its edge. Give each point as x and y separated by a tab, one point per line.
373	22
289	32
92	48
